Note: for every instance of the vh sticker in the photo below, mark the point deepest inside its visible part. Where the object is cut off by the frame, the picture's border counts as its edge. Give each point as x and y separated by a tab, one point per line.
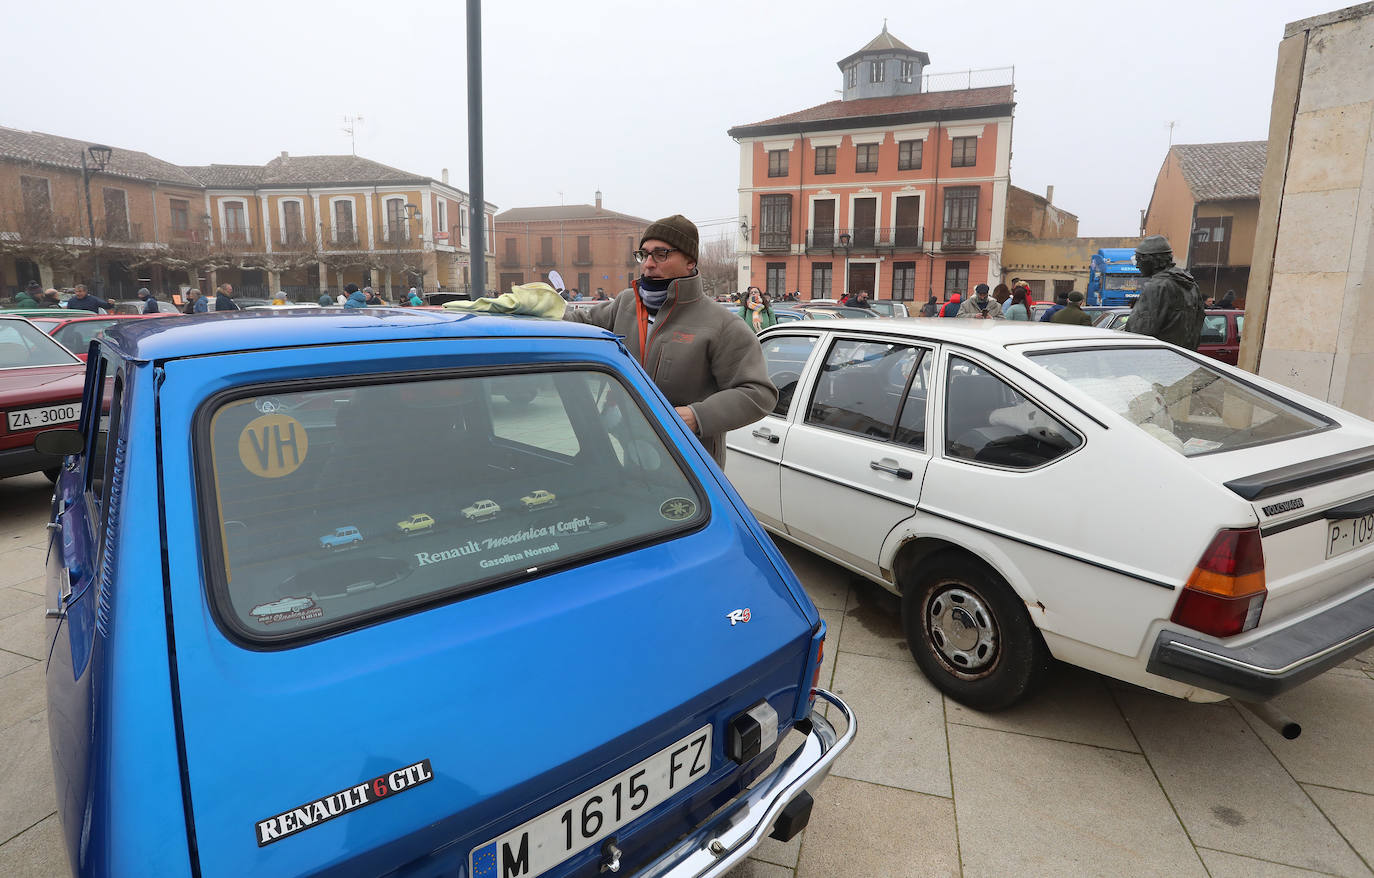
737	616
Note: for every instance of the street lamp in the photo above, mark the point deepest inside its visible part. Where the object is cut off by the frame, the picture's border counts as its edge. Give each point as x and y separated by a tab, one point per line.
412	211
100	157
845	241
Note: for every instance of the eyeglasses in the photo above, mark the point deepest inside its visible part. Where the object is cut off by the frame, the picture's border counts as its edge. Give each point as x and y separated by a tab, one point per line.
658	254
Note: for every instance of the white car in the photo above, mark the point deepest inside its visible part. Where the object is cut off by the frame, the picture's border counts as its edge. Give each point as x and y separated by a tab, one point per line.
1035	490
481	509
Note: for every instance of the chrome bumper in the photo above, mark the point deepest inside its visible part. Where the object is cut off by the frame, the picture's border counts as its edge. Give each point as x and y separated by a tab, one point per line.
720	844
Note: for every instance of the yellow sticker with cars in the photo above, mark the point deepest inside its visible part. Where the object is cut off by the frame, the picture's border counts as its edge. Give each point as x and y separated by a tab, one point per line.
273	445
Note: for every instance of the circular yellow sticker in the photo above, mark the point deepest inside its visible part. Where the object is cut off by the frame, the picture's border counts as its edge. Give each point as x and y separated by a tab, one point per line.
272	446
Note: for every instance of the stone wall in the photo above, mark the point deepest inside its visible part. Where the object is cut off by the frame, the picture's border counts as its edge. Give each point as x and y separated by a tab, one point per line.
1311	302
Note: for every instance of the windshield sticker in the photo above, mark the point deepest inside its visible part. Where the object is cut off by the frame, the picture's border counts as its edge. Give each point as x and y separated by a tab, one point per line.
273	445
566	527
677	509
326	808
288	609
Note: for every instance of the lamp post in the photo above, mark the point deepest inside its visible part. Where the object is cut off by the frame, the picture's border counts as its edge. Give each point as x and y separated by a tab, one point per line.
100	157
412	211
845	241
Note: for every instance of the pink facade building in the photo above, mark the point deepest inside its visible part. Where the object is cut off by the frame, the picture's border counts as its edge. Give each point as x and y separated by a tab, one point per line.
896	189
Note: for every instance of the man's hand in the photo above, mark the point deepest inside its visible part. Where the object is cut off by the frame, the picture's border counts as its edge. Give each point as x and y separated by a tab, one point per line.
688	416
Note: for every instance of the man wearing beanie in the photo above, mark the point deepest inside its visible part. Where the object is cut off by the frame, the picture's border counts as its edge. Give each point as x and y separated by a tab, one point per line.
980	304
703	357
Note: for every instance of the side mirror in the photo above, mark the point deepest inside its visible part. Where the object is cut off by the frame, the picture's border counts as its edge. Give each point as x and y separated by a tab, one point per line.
62	441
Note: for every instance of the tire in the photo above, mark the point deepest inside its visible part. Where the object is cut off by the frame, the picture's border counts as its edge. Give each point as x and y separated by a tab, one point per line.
971	635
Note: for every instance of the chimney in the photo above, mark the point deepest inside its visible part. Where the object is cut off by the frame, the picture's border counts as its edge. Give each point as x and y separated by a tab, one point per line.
1049	194
283	154
598	199
443	175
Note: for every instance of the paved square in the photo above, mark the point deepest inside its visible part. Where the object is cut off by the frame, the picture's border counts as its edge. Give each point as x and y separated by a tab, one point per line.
1091	777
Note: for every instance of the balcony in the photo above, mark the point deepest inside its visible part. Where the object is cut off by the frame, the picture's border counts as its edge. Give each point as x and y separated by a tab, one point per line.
398	234
234	237
772	241
545	260
582	259
118	230
510	260
958	239
825	240
344	236
292	239
189	236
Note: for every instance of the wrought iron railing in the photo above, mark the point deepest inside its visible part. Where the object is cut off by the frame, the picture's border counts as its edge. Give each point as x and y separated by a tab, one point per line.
958	239
869	238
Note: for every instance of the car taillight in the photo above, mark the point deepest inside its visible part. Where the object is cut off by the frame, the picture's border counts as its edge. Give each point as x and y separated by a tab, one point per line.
1225	595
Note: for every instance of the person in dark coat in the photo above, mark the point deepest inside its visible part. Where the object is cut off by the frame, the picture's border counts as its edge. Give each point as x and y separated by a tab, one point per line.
931	307
1228	300
224	298
28	297
327	301
149	300
84	301
1073	312
1170	303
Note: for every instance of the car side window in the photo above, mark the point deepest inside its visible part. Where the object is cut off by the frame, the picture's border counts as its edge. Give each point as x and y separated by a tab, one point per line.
785	357
989	421
862	387
1213	329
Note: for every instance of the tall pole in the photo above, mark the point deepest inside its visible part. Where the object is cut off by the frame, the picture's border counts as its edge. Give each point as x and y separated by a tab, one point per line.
478	208
90	223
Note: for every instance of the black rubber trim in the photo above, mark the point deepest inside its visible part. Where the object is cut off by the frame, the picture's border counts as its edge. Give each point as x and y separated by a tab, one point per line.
1287	479
1353	509
1006	536
895	499
1273	664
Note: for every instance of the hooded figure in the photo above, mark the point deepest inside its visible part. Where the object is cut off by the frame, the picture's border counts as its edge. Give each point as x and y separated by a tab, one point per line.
356	299
414	298
951	308
1170	304
757	312
931	307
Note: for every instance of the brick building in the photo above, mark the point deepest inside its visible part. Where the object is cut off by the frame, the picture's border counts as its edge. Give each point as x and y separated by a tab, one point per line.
587	244
304	224
899	188
1206	202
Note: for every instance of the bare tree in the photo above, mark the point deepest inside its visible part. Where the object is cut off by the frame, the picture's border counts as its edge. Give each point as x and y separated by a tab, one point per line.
716	266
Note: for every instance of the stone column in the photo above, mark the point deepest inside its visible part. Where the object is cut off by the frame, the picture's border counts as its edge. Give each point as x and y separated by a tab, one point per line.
324	278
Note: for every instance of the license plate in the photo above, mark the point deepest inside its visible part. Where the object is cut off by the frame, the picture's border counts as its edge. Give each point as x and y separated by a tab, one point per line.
1348	534
32	419
542	843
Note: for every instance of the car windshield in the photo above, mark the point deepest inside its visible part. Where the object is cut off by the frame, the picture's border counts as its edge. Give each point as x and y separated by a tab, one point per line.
76	336
23	344
1121	282
1189	406
338	504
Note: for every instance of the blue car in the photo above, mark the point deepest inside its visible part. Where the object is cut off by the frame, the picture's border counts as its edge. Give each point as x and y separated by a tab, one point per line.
602	684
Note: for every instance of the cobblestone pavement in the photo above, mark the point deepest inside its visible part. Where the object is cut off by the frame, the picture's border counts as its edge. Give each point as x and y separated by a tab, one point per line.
1091	777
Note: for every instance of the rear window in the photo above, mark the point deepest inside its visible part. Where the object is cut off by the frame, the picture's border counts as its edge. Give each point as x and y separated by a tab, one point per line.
1189	406
23	344
336	505
76	336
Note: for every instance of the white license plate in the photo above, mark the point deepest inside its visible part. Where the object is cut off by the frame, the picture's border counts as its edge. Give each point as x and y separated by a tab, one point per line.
1348	534
542	843
48	416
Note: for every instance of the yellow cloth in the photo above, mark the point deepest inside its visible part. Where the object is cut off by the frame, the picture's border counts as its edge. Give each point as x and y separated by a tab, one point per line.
536	300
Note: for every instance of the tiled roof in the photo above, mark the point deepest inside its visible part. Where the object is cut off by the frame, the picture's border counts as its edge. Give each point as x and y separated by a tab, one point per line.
565	212
884	42
933	101
65	152
321	169
1222	171
227	176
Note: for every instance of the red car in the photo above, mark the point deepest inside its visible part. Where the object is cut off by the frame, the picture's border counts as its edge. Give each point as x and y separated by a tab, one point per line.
40	388
75	333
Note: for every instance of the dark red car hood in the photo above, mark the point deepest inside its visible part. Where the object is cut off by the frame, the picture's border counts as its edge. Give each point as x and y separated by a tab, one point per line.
40	384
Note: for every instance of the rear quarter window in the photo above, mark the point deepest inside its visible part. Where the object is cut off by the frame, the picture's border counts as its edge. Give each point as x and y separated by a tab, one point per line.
336	505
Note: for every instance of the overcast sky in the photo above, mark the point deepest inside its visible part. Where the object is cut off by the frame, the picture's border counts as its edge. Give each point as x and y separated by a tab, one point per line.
633	98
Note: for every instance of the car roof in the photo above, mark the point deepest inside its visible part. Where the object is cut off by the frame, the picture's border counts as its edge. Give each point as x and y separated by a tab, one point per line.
985	334
227	331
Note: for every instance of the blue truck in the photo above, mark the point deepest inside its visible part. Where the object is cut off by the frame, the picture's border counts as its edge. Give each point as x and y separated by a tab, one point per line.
1113	278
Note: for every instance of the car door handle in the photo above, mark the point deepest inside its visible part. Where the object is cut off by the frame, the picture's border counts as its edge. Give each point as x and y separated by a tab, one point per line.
898	471
765	434
64	596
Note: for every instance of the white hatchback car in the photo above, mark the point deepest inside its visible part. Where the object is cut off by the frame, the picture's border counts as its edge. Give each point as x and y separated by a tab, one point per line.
1035	490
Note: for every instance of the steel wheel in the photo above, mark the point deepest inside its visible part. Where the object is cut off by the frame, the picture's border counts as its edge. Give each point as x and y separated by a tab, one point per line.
962	630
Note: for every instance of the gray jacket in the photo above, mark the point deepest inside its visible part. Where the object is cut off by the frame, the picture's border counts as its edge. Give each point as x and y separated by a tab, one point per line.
1170	309
699	354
